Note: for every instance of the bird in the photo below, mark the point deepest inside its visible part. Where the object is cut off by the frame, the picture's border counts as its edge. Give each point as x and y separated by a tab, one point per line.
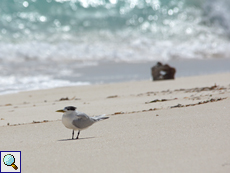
73	119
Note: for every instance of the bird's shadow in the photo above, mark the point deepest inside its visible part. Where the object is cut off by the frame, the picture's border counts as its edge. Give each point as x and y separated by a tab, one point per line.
75	139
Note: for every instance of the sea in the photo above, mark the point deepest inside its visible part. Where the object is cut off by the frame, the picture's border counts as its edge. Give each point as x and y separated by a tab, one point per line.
55	43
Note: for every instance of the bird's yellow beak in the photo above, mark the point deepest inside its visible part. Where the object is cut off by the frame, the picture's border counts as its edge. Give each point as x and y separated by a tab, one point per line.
60	111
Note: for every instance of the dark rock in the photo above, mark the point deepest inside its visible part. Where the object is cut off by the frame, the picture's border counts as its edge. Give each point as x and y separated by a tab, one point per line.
163	72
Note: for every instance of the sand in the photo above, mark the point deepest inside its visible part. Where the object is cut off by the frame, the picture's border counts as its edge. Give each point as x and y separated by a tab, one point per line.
176	126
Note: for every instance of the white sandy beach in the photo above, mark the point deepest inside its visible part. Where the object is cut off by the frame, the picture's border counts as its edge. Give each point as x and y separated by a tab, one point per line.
169	126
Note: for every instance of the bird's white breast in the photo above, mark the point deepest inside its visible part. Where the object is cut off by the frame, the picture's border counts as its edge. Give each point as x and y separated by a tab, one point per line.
67	120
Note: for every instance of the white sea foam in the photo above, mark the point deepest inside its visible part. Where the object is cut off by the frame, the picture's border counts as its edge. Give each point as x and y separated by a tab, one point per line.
12	84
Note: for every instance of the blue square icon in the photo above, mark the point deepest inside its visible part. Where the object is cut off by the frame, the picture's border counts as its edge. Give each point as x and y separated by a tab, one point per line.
10	161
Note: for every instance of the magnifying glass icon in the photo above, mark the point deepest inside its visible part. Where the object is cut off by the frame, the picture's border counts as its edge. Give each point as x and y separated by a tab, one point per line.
9	160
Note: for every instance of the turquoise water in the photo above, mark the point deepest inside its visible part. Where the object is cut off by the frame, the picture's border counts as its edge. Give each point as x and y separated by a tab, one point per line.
43	41
113	30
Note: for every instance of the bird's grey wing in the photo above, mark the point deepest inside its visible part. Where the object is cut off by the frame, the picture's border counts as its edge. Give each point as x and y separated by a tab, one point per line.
81	115
82	121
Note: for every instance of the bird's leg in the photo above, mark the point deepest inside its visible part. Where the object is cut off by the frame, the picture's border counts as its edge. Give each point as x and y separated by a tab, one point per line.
73	134
78	134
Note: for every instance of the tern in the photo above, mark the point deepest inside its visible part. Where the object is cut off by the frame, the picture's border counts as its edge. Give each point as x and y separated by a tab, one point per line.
73	119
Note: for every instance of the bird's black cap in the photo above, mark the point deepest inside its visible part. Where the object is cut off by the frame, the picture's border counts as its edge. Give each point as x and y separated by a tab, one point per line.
70	108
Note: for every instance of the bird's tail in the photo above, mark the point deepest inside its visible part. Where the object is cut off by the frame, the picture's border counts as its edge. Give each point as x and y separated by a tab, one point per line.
99	117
